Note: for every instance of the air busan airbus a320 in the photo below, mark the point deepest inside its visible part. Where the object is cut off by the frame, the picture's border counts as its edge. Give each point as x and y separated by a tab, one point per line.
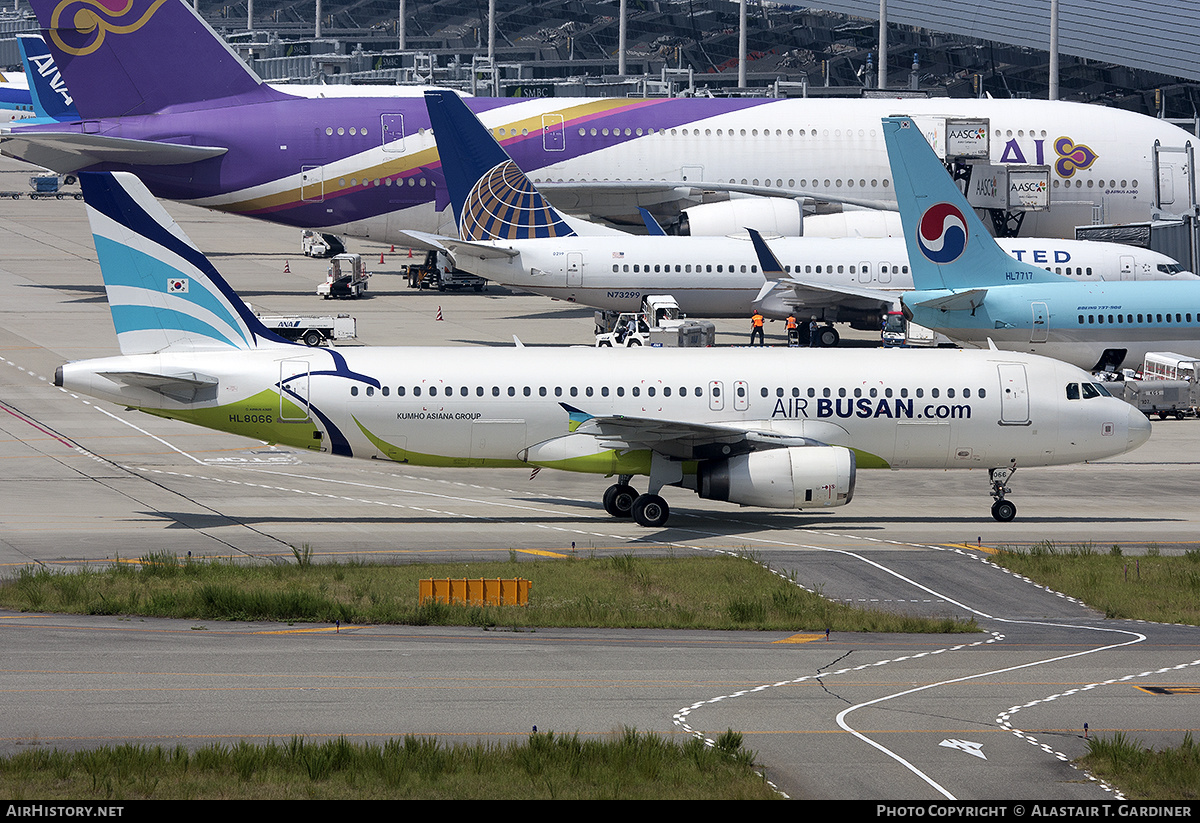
518	239
161	95
772	427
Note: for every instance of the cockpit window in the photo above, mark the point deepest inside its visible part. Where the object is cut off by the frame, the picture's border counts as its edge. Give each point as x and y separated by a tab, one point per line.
1170	268
1072	391
1096	390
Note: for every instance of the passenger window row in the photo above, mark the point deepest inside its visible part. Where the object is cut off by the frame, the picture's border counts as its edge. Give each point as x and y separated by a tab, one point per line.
1128	319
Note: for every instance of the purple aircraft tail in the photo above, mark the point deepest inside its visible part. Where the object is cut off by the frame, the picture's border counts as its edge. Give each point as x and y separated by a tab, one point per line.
140	59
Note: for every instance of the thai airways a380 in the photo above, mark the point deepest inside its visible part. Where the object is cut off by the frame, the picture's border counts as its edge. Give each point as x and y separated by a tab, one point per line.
159	94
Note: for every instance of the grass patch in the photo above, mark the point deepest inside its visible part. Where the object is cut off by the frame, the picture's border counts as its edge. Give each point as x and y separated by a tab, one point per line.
1146	774
1154	587
628	766
713	592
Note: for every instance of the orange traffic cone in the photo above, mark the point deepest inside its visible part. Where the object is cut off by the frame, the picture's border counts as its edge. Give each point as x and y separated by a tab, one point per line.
439	314
286	268
381	258
410	254
393	248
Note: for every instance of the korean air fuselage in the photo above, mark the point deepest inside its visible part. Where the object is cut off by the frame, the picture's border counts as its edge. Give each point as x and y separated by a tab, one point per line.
1096	325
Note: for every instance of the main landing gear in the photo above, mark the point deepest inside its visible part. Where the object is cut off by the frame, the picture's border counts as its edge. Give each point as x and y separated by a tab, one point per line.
1003	510
622	500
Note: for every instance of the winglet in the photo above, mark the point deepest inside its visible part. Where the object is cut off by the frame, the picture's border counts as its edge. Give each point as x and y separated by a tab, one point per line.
652	227
948	246
163	293
772	269
491	196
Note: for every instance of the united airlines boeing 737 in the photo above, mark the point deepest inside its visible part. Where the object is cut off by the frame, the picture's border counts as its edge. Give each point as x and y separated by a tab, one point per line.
972	292
775	428
161	95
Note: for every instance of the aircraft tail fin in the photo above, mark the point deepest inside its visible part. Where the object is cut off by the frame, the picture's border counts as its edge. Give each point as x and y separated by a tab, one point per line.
948	246
50	96
141	57
163	293
491	196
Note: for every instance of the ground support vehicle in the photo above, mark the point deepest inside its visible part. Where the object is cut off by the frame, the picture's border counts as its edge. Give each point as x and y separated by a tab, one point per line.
659	324
346	277
312	330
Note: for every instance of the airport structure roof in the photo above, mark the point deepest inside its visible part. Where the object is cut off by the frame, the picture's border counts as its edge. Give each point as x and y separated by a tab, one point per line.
1154	35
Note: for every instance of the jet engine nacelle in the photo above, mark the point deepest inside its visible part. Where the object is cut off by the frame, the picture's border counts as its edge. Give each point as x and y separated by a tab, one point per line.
767	215
802	477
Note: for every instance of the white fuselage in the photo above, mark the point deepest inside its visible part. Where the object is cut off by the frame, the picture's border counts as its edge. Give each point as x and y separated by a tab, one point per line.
721	276
591	158
485	406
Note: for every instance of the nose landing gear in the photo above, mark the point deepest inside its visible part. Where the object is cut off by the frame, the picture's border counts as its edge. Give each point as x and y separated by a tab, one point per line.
1003	510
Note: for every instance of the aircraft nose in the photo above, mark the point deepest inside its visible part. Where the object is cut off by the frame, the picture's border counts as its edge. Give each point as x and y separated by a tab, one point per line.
1139	428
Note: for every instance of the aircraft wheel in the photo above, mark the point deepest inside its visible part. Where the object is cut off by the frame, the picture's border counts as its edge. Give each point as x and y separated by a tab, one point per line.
1004	511
618	499
828	338
650	510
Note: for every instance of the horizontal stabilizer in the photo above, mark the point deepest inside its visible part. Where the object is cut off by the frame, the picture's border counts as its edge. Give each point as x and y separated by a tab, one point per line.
182	387
65	153
968	300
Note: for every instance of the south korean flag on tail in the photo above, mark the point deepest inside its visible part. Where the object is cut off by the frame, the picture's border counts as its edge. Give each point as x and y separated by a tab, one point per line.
177	285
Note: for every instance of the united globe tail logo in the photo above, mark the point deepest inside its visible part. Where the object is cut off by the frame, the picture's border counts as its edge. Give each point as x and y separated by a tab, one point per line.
942	233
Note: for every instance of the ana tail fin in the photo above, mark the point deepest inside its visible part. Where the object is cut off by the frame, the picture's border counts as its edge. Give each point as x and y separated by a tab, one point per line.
141	56
492	198
163	293
948	246
50	96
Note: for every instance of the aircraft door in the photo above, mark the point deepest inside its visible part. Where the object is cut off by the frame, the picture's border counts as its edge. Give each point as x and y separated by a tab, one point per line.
554	132
693	174
393	132
1041	323
741	395
1128	267
885	273
1175	189
293	389
1014	395
574	268
312	184
716	395
864	272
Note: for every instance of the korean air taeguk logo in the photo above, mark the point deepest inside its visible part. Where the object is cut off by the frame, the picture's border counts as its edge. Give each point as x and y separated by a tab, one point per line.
942	233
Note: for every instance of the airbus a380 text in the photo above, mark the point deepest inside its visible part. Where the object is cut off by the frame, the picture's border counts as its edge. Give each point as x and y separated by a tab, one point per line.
772	429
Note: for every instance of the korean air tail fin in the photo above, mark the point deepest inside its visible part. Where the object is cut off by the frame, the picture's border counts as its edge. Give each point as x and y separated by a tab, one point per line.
50	97
142	56
948	246
163	293
491	196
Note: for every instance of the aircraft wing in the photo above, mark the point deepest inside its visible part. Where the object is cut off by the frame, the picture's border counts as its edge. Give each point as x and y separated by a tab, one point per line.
454	247
968	300
681	439
606	197
64	152
808	292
